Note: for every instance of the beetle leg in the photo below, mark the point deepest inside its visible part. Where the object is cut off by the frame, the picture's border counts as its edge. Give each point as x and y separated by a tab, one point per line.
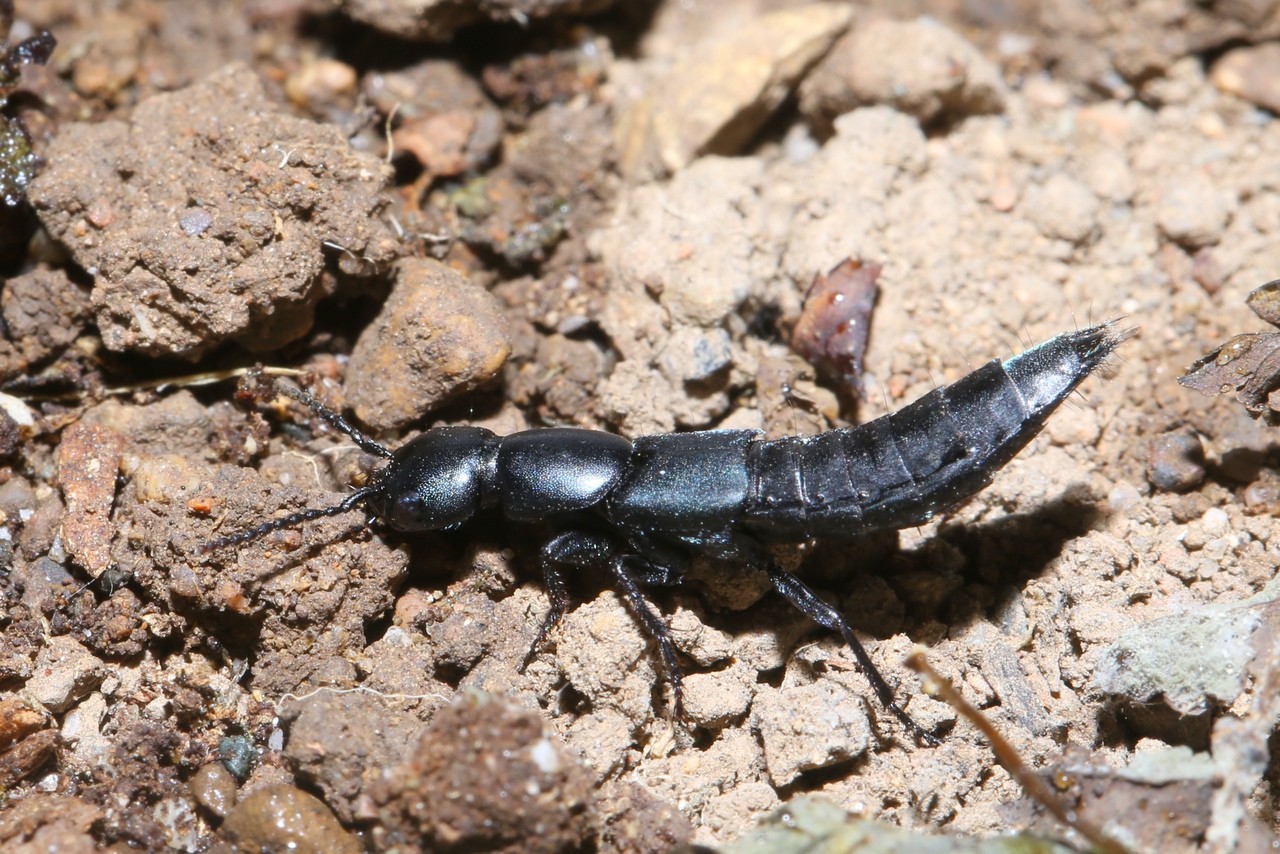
652	622
664	564
799	595
558	596
573	548
585	550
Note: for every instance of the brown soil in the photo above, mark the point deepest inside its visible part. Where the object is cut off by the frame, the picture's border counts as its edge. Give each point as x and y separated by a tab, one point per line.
562	213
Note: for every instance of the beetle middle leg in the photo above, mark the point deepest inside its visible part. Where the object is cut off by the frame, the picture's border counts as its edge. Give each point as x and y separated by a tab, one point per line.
590	550
656	626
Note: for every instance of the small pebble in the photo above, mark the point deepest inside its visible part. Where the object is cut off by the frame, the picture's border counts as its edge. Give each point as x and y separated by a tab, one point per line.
1192	210
195	222
282	818
693	355
438	335
65	670
157	709
1123	496
1262	497
1251	73
238	755
1216	522
1175	462
321	83
1064	209
214	789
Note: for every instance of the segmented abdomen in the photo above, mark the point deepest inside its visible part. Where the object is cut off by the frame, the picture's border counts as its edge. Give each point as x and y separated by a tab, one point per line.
899	470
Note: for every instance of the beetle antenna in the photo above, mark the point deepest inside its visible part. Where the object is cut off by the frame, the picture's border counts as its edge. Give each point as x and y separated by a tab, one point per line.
334	420
246	536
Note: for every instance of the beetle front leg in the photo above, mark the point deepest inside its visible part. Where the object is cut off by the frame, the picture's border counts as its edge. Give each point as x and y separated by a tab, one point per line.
573	548
558	606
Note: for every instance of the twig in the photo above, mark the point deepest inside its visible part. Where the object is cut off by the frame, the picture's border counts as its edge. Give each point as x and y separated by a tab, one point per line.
1007	755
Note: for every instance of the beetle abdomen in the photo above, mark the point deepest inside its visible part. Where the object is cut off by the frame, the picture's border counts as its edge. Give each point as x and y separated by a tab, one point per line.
900	469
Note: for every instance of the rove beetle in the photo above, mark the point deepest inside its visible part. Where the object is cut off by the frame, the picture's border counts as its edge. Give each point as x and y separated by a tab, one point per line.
641	508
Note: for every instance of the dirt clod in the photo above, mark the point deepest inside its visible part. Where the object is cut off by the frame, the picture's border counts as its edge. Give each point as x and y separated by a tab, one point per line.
26	741
49	822
633	820
340	742
921	67
1193	210
804	727
1250	73
438	20
724	90
444	120
1063	208
64	672
485	776
1189	661
19	719
437	336
44	312
278	190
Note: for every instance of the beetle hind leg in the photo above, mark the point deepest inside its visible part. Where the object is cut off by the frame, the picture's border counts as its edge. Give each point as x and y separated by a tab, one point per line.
798	594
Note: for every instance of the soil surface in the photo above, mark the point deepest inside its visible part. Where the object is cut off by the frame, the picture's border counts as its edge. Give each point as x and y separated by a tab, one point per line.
538	213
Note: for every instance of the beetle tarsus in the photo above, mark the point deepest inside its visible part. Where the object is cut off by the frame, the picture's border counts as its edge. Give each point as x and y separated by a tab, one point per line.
557	607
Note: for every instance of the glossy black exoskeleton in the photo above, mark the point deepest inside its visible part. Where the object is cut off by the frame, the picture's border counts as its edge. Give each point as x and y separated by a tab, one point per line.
657	500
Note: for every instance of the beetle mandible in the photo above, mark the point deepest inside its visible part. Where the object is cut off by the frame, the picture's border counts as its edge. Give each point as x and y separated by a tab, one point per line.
642	508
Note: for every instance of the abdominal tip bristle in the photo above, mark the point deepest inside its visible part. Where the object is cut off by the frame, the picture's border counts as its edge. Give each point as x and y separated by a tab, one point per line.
1106	337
